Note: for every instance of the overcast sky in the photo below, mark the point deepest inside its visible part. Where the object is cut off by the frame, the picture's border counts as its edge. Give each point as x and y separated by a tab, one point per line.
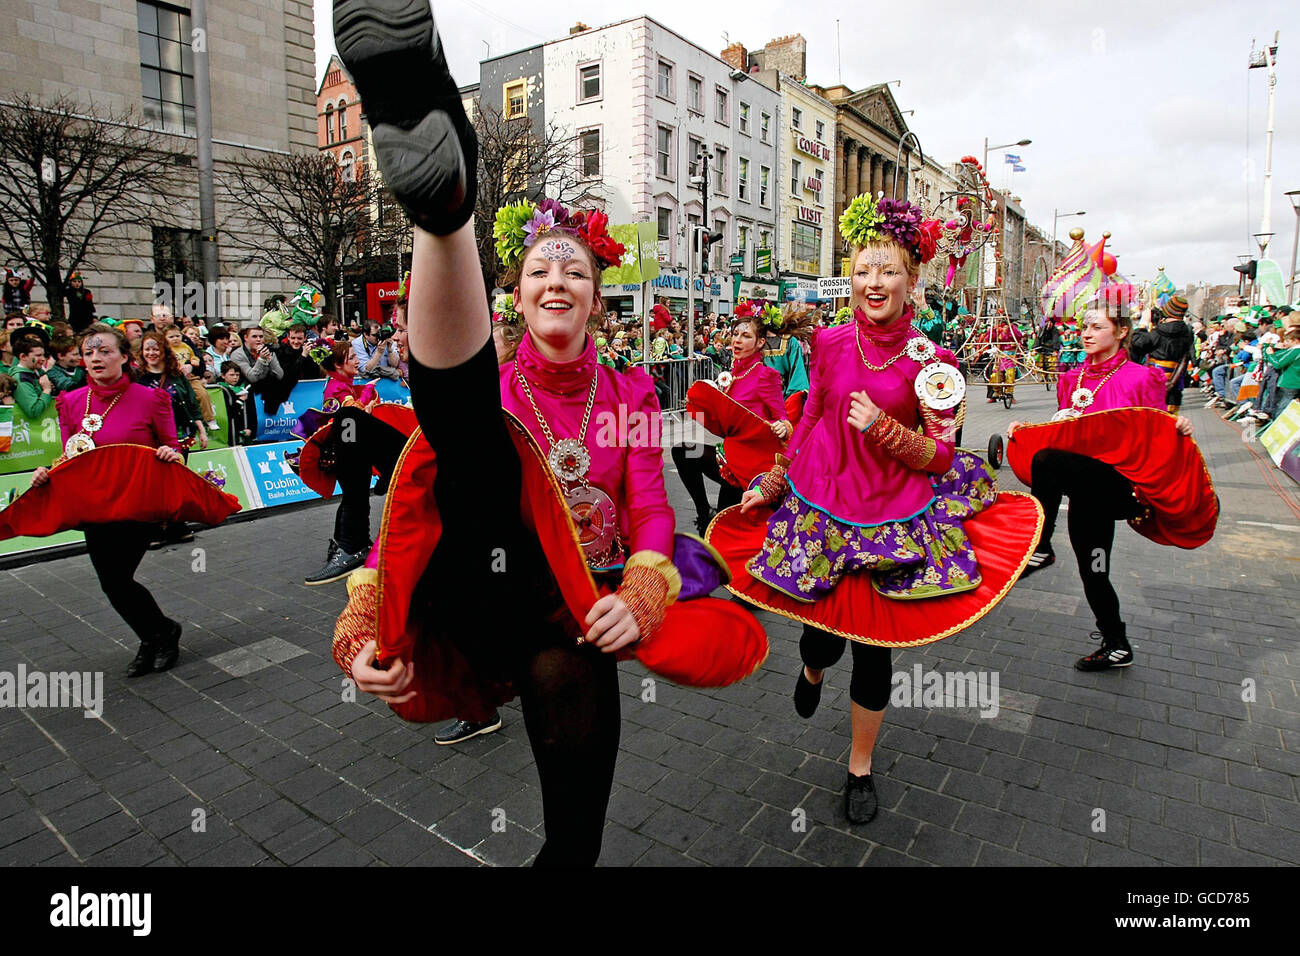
1140	112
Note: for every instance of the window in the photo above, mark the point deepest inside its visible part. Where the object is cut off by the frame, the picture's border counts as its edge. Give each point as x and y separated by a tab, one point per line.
720	171
693	155
764	239
166	67
720	107
176	252
744	118
695	96
819	178
329	123
796	117
665	224
764	174
589	163
343	121
347	163
664	153
718	251
821	130
664	80
742	180
744	239
588	82
516	104
807	249
796	168
765	124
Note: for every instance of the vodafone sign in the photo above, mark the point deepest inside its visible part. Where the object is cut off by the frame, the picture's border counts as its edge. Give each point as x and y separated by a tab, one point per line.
380	297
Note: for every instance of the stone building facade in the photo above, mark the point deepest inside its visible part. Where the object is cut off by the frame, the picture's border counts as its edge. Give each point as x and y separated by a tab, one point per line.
137	54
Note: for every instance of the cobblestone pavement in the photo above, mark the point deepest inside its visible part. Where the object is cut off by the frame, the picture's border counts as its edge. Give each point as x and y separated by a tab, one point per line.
249	735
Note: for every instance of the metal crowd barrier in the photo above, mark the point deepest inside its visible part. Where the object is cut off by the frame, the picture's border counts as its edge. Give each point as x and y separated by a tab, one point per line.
676	376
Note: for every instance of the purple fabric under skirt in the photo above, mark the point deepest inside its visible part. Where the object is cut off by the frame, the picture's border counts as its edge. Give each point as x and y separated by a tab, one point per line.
806	551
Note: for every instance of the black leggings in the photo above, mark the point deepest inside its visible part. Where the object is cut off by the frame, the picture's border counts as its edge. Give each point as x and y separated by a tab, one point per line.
695	462
513	622
1099	496
361	443
872	678
116	550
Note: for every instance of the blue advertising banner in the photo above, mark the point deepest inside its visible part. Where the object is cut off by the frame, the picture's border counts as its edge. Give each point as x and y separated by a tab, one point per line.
270	480
305	395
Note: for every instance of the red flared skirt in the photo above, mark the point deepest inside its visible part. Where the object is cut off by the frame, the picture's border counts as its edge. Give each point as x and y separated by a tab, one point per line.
321	480
705	642
1167	470
115	483
1003	538
748	444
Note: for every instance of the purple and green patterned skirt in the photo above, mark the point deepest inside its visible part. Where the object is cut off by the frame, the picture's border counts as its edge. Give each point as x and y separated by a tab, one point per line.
806	551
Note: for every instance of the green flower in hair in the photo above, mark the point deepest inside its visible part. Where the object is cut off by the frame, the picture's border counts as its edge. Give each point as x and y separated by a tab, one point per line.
860	219
508	230
771	316
844	315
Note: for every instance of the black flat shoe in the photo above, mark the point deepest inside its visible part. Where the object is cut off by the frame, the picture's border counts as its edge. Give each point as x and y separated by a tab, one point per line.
143	663
424	142
169	648
807	695
860	802
1037	561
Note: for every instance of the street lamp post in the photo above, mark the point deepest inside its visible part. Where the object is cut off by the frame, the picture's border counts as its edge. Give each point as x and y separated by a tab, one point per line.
1060	215
979	302
1294	196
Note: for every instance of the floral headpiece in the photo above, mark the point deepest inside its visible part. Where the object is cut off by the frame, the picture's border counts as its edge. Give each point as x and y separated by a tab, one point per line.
868	219
760	309
404	287
503	310
319	353
519	225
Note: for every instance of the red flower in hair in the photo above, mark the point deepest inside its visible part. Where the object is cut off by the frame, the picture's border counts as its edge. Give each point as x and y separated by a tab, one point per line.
594	233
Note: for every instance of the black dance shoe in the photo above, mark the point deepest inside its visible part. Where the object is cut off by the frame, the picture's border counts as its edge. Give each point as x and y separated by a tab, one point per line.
169	648
338	564
462	730
424	142
807	695
860	802
702	522
144	659
1114	652
1039	560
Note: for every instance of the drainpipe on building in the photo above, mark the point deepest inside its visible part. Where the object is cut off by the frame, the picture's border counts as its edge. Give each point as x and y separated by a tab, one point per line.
778	188
203	117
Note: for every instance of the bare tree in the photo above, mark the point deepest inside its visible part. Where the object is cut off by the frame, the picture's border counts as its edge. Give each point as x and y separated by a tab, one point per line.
70	180
302	214
516	162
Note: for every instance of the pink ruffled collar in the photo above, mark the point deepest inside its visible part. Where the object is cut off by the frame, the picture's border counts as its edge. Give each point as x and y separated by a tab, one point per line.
560	378
888	336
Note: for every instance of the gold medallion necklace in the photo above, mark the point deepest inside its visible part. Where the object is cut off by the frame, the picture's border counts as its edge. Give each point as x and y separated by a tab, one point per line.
90	423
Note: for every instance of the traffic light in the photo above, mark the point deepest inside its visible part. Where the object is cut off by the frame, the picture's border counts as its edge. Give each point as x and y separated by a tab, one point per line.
707	240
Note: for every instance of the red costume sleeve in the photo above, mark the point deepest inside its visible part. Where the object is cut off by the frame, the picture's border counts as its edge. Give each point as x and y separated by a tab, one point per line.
163	421
651	521
812	409
66	428
769	393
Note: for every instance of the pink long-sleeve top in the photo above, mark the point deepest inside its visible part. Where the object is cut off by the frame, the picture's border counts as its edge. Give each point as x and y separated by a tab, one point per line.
142	416
1132	386
842	471
622	435
340	388
758	387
